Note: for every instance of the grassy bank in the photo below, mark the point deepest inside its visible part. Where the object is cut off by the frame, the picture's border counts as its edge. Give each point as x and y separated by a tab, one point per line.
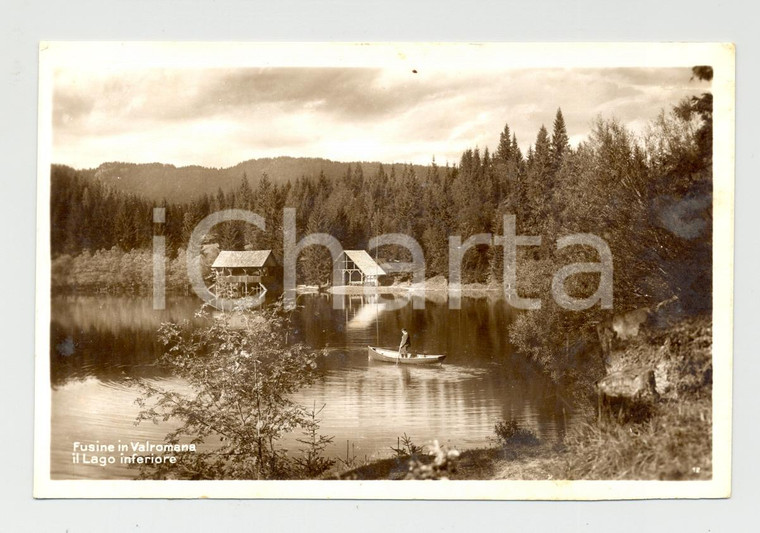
673	442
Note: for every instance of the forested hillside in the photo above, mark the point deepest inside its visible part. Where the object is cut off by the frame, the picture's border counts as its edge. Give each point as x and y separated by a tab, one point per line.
157	181
648	196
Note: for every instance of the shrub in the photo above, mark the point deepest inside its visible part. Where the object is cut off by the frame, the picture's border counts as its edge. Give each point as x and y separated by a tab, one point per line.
311	464
405	446
241	374
509	433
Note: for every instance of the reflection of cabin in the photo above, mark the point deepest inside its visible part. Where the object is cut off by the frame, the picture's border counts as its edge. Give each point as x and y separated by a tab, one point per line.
362	310
358	268
241	274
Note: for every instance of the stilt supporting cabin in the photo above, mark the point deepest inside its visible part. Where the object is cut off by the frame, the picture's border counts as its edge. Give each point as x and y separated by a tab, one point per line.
241	274
358	268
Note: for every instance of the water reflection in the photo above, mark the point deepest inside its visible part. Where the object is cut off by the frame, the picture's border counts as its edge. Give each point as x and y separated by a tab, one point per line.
98	342
108	337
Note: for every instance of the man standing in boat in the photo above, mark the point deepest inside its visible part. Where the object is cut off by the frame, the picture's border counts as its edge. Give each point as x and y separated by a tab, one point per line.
406	342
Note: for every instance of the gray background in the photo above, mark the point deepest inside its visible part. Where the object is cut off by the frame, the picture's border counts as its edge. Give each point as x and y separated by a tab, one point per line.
24	23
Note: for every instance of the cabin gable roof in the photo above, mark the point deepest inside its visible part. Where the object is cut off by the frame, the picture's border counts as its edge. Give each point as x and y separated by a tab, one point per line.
364	262
247	259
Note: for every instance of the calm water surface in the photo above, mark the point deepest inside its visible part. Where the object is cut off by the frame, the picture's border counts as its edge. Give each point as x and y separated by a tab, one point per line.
98	343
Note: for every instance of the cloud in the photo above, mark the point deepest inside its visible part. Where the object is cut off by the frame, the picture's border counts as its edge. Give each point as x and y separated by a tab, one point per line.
219	117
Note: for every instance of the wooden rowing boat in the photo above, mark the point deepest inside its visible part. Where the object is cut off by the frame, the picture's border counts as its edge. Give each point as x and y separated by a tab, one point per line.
392	356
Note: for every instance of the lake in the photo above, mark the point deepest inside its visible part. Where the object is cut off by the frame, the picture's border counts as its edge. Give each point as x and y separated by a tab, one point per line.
99	343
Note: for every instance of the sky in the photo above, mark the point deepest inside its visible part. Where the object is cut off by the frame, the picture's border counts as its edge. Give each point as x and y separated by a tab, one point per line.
220	117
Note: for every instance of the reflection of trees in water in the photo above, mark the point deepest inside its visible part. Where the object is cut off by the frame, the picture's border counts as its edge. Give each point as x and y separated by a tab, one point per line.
78	353
114	313
313	322
108	337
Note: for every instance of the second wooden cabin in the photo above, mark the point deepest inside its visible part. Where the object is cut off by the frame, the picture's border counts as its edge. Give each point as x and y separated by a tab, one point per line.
358	268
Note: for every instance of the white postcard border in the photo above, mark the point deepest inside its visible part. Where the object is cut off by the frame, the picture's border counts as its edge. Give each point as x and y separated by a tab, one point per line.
122	56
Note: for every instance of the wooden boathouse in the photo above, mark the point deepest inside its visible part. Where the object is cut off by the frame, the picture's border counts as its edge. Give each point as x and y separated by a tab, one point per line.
241	274
358	268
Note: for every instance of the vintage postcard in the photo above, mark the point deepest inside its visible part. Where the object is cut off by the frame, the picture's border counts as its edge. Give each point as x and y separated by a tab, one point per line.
313	270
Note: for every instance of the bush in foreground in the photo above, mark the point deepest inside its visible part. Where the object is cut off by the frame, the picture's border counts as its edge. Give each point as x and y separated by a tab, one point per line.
241	374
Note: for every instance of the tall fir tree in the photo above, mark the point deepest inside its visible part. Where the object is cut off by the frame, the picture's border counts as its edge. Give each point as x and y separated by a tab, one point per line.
538	181
504	150
560	144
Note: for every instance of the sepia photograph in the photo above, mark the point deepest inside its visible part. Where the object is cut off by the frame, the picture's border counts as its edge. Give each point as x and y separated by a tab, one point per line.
336	270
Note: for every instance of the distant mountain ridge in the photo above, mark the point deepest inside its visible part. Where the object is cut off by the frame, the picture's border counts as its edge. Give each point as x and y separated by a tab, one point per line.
157	181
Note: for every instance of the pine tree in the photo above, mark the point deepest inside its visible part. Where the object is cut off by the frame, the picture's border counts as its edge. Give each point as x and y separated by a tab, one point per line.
517	156
538	181
504	150
542	150
560	144
244	196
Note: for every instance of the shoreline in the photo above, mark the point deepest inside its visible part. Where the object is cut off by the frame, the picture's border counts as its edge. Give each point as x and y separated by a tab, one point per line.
434	288
401	289
436	285
570	460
